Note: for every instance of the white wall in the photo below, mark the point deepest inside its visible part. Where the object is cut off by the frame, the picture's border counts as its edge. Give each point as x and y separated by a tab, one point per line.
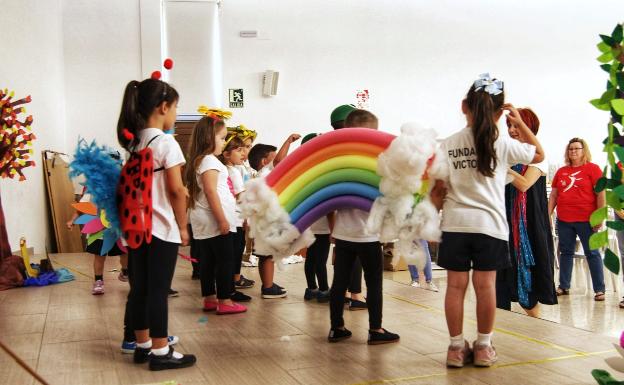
418	58
32	64
102	53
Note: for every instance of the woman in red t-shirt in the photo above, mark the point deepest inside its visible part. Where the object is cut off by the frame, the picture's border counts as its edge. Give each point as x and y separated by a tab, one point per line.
573	195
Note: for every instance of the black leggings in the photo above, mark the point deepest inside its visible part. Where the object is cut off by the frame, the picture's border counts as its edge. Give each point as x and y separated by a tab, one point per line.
355	285
215	265
370	255
239	249
316	262
150	269
193	251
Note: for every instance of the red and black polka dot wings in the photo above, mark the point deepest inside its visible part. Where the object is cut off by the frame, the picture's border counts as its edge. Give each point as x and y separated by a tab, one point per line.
134	198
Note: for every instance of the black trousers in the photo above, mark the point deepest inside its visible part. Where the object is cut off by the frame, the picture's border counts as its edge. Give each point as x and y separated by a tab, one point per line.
193	251
239	249
215	265
371	257
128	331
150	269
355	285
316	263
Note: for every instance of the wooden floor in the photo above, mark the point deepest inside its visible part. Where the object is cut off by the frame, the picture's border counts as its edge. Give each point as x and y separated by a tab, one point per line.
71	337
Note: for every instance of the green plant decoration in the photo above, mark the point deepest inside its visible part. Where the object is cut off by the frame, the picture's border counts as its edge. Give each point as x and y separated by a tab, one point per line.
612	58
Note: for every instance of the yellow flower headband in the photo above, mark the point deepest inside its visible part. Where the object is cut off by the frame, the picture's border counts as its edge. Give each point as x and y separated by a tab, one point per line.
242	132
214	113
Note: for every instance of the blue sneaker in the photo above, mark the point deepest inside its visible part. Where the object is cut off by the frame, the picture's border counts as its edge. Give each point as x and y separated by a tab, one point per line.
128	347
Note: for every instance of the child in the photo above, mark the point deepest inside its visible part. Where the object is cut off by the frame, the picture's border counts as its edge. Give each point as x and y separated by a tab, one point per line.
232	156
98	260
474	227
247	136
429	285
148	108
354	118
353	242
316	257
212	215
262	158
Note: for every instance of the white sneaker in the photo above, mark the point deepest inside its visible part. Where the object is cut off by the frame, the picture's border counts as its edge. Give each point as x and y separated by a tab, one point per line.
431	286
253	261
415	284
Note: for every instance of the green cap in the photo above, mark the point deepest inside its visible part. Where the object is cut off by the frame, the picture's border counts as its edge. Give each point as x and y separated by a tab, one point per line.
309	137
341	112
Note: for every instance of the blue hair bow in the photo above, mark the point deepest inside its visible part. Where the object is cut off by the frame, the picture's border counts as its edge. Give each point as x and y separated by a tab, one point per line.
485	82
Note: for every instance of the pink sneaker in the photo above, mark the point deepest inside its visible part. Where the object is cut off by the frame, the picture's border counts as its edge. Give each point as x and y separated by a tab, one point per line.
458	357
484	356
98	287
234	308
210	305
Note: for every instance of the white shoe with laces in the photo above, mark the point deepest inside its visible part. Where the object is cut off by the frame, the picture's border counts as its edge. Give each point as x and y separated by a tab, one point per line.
431	286
415	284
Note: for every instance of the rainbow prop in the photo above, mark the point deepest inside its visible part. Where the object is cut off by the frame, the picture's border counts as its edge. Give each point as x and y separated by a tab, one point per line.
360	168
332	171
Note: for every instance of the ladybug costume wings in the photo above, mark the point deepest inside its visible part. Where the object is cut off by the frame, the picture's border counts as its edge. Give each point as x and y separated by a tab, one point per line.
134	196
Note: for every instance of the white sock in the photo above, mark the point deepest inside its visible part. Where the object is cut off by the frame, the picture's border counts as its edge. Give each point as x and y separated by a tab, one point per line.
484	339
164	351
458	341
145	345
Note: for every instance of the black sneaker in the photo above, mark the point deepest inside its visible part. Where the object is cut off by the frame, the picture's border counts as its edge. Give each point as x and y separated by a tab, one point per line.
237	296
244	283
323	296
173	293
279	287
273	292
357	305
168	361
310	294
376	338
337	335
141	355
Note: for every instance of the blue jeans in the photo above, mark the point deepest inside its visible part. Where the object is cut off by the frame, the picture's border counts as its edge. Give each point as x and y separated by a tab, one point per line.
414	270
567	242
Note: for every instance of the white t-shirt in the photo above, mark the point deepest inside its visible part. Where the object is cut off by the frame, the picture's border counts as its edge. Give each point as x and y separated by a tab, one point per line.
238	186
321	226
475	203
203	220
246	171
350	226
167	154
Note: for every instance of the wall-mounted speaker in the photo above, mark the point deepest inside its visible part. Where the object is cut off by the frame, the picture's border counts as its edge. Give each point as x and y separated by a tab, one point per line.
269	83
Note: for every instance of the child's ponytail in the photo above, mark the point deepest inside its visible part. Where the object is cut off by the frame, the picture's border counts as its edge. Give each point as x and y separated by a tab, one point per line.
139	101
483	106
129	118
